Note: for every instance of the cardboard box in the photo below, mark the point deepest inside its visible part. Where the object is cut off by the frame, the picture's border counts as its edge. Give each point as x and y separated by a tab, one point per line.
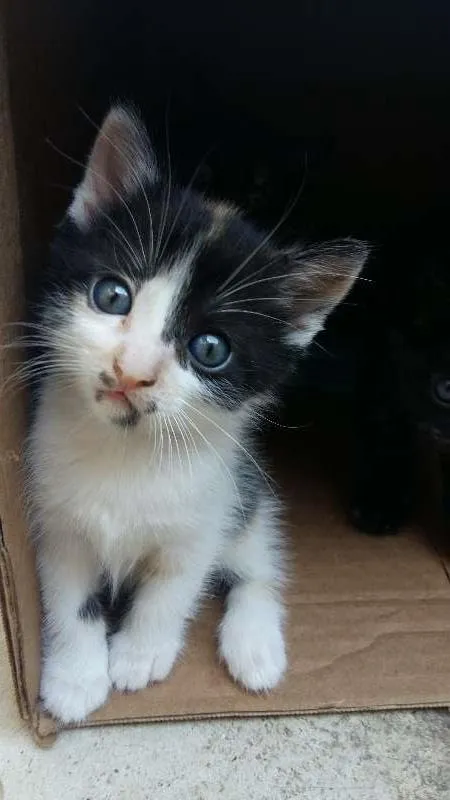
369	620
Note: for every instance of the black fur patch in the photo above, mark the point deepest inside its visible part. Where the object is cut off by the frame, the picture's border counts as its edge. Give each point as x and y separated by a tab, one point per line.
91	609
113	606
250	483
116	606
221	583
128	420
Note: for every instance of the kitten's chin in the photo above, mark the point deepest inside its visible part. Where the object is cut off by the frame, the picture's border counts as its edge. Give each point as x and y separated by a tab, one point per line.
117	412
127	419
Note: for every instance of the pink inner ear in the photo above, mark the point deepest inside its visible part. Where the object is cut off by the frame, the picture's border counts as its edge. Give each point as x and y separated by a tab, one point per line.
120	158
88	209
110	169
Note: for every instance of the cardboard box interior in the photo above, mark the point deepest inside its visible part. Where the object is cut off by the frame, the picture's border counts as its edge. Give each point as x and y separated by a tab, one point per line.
369	620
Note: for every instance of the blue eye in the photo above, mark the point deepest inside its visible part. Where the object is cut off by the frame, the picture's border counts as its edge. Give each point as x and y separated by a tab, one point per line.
209	351
112	296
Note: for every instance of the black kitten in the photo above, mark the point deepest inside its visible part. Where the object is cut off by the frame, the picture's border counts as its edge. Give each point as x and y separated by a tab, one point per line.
390	358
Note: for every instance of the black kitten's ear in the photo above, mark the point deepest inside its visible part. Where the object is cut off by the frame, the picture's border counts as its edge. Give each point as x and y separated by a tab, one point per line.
320	278
120	160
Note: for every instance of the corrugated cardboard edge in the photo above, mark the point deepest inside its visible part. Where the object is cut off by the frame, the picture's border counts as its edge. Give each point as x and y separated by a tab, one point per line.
9	616
8	600
45	732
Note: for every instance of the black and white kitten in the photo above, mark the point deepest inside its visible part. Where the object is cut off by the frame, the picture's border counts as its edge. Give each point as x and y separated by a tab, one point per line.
167	324
403	372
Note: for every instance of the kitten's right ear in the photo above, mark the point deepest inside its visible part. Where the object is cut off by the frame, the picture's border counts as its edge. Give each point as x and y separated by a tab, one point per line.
121	158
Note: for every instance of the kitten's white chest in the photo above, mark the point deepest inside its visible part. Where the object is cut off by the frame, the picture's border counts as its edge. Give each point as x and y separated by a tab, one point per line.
137	494
125	495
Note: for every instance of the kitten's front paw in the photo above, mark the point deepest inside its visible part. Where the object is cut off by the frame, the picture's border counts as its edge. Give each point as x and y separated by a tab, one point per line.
70	691
134	663
254	652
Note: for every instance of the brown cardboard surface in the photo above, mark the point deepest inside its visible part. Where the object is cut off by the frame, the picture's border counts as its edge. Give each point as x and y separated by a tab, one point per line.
369	619
369	627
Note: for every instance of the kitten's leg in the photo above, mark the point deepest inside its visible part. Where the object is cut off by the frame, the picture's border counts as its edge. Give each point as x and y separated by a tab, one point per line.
75	678
251	638
145	648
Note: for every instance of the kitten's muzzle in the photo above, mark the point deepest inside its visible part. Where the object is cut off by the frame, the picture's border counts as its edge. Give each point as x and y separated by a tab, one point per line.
119	388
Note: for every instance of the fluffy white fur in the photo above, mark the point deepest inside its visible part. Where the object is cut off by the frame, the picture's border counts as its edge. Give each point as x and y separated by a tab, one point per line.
105	497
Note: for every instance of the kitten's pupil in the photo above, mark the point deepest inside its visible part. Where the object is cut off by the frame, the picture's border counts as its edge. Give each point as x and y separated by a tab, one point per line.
112	296
209	351
441	390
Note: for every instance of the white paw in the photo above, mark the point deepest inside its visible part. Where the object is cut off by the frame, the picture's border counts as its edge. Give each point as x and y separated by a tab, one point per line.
70	689
254	651
134	663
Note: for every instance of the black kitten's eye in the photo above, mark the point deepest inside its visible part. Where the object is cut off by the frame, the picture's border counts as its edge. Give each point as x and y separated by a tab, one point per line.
112	296
209	351
441	390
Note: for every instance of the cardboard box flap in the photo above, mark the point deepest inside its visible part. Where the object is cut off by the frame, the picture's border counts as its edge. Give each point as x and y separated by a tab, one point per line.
20	598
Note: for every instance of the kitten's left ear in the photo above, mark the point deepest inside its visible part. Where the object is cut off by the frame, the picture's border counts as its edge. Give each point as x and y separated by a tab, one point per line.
320	278
121	158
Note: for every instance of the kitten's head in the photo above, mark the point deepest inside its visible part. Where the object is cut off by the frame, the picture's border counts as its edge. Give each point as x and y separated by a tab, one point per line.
426	387
159	301
438	417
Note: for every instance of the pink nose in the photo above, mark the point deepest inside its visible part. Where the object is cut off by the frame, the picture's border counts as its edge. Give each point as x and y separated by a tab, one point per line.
129	383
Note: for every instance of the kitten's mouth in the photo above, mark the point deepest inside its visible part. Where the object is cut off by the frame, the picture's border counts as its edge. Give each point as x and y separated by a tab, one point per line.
117	395
117	398
127	415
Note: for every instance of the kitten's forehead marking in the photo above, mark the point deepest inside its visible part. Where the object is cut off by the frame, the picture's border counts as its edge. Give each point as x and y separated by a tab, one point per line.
143	348
157	298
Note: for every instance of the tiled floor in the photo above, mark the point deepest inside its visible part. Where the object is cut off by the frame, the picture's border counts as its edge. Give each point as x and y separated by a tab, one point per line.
395	756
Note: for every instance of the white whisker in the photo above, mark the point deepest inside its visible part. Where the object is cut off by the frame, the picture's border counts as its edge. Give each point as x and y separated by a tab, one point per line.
235	441
256	314
182	204
163	221
169	421
181	429
169	439
267	238
220	459
137	177
236	286
240	287
161	444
